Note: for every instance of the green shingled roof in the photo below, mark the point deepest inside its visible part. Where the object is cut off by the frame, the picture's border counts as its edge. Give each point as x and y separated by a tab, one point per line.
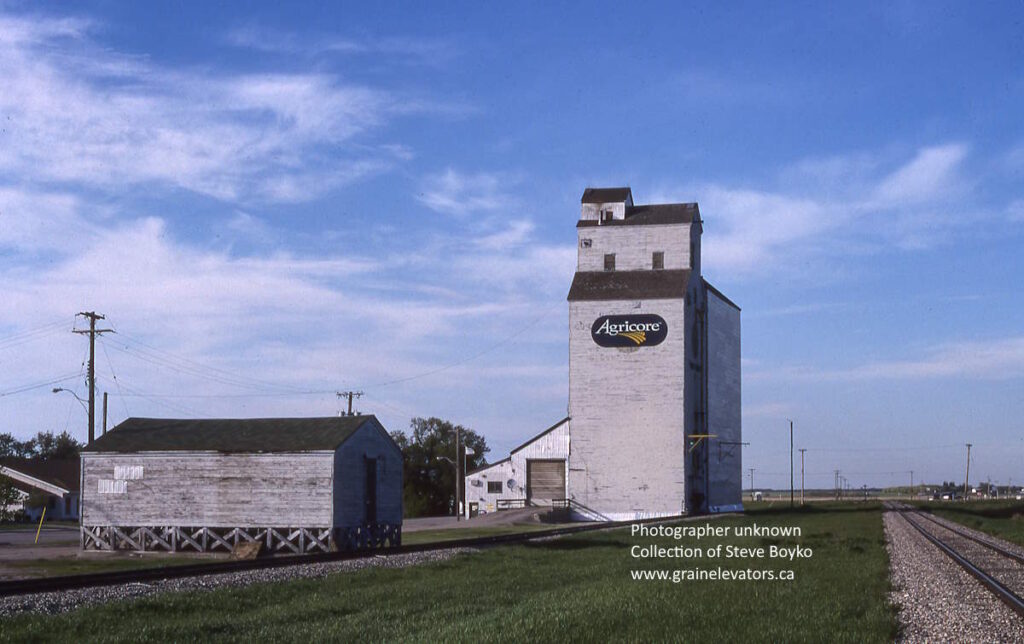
232	435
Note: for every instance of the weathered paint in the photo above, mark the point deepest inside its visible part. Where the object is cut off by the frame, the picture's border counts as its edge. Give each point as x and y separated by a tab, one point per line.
209	489
549	445
633	246
626	410
635	411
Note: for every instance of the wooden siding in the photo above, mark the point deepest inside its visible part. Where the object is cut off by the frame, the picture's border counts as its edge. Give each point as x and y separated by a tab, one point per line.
369	441
203	489
634	246
724	406
476	487
627	415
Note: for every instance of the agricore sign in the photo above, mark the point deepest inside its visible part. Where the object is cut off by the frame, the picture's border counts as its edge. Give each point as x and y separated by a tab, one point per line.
629	330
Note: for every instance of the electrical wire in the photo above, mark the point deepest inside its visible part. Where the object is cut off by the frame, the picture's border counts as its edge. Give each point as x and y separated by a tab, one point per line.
110	364
55	381
32	335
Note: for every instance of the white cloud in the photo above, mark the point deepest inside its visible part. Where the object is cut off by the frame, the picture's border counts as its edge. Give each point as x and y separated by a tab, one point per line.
932	174
77	113
406	49
837	206
456	193
996	359
515	234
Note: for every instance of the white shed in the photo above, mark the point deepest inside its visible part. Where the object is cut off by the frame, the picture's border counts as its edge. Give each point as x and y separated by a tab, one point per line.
533	474
293	484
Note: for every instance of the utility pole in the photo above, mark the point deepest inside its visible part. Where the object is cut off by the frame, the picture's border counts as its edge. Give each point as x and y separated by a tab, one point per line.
967	477
350	395
911	484
104	412
751	484
791	502
458	476
802	450
93	332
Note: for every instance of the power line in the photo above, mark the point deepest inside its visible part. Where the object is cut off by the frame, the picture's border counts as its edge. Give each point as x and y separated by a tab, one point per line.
36	385
350	395
110	364
194	366
458	362
167	405
39	330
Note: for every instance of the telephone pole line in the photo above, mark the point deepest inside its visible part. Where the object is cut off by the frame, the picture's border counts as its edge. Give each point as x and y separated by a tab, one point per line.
350	395
967	477
911	483
802	450
751	484
93	332
458	476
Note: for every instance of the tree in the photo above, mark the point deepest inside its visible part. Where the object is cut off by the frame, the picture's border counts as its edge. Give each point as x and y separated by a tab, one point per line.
46	445
11	446
64	445
428	479
9	495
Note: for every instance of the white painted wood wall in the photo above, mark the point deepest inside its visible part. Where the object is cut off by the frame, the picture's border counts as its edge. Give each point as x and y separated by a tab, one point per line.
210	489
626	408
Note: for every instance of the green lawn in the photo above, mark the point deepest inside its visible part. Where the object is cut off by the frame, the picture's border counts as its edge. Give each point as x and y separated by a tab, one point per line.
74	565
575	588
1000	518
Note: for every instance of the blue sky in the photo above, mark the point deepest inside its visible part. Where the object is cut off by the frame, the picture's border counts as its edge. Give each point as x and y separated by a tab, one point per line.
274	203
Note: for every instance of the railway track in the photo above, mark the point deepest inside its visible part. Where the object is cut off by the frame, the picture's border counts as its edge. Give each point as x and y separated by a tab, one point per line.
71	582
998	569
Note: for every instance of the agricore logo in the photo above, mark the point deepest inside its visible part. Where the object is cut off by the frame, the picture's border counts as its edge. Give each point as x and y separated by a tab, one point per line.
629	330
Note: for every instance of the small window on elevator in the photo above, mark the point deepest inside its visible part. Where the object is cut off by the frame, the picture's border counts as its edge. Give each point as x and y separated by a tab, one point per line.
609	262
658	260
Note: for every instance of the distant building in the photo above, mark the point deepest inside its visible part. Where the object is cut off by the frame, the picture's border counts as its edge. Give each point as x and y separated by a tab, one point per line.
52	484
534	473
293	484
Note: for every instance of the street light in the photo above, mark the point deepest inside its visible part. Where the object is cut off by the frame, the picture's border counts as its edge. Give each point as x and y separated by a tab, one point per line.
57	390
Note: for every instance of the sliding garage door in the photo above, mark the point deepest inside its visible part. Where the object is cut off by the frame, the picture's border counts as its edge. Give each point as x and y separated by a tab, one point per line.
545	480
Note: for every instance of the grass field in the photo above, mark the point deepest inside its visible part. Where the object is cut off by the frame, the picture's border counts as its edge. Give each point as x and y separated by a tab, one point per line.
75	565
1000	518
574	588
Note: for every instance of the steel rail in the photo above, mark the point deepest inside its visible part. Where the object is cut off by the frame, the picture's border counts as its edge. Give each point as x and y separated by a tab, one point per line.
966	535
112	578
1008	597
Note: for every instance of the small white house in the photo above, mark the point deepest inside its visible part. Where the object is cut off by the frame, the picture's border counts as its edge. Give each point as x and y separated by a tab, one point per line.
532	474
44	484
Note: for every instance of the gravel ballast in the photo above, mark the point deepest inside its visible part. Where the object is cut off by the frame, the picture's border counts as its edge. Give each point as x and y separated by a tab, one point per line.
938	600
64	601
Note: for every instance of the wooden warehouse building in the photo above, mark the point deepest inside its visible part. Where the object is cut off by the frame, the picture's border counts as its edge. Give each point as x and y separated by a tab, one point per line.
292	484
